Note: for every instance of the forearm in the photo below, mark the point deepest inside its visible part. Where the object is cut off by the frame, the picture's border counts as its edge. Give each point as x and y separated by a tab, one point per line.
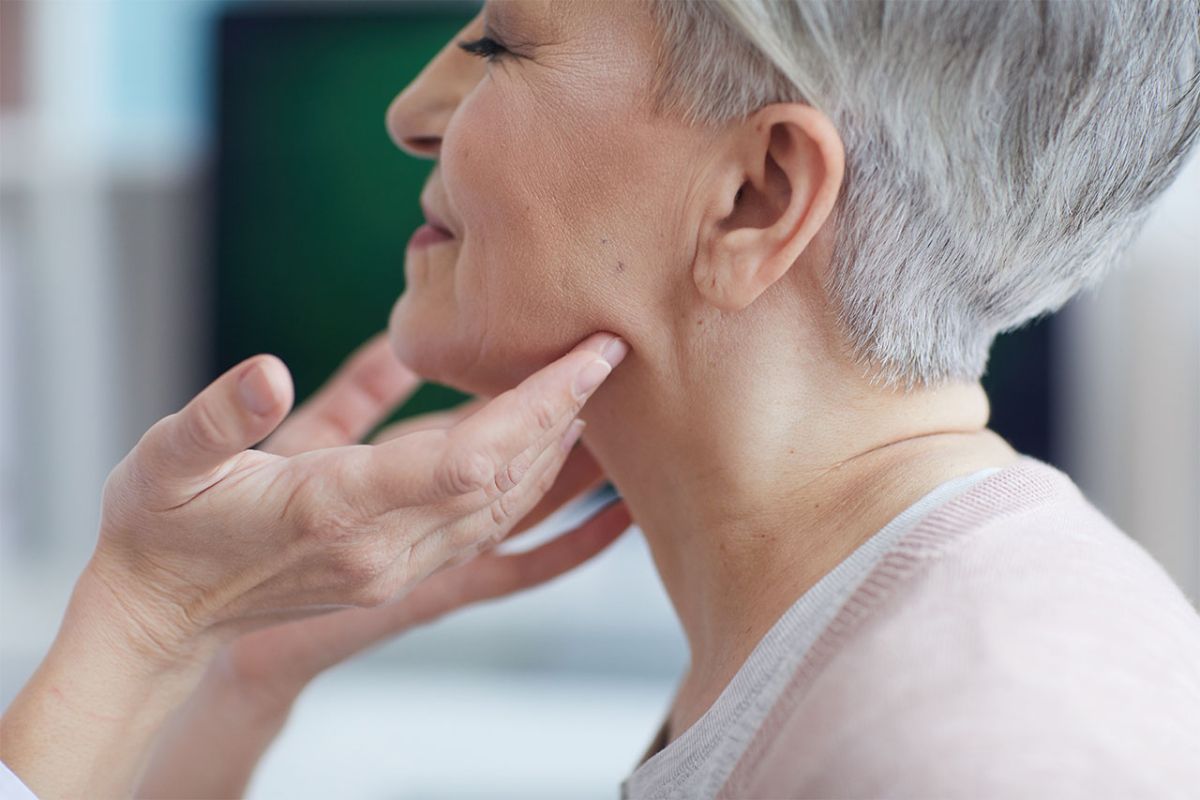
84	723
211	746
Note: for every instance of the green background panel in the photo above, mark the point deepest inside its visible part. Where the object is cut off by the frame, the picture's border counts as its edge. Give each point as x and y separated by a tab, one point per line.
313	204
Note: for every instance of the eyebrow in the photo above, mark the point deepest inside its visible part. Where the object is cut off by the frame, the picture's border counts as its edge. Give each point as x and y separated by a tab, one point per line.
493	15
503	24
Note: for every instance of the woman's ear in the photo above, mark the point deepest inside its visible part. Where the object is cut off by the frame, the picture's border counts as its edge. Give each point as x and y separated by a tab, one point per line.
772	194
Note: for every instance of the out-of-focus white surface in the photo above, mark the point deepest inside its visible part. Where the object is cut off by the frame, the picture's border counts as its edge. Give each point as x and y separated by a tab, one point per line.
373	734
1129	413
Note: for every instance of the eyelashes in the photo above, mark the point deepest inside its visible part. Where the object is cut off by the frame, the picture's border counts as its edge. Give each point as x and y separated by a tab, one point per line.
485	47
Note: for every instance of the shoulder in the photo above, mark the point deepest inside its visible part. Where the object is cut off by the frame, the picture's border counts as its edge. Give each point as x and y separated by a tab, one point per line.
1015	642
1023	560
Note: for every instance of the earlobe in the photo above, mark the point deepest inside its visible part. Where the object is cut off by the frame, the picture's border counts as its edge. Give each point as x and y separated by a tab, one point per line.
777	189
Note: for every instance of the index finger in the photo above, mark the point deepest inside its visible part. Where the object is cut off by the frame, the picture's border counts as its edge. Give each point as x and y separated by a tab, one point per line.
477	452
521	419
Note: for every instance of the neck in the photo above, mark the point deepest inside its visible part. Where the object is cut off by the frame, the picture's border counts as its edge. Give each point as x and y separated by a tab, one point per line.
750	487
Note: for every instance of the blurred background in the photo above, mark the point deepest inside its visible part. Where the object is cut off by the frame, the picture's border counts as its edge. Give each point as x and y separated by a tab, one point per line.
184	183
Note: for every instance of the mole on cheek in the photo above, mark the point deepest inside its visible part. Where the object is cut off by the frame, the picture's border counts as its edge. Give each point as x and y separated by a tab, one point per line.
620	266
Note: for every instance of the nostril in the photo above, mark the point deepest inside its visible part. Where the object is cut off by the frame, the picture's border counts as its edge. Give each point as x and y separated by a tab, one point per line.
422	144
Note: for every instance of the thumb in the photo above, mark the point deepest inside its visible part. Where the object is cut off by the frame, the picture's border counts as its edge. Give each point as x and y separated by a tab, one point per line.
233	413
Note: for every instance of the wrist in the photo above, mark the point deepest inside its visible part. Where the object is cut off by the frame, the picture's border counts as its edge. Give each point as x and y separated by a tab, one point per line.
149	630
212	745
84	723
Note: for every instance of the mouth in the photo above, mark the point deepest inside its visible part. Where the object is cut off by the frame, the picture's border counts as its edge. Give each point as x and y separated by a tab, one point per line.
427	236
434	231
435	222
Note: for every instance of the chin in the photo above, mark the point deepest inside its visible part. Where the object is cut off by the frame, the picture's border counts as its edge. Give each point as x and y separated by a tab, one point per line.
437	347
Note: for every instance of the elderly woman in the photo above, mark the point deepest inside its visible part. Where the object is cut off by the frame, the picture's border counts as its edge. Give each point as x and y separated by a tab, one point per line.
808	220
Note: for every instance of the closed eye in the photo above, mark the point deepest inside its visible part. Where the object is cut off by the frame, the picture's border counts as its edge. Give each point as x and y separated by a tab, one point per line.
484	47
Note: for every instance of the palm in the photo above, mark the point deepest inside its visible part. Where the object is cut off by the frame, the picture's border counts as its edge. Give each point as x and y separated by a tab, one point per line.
284	657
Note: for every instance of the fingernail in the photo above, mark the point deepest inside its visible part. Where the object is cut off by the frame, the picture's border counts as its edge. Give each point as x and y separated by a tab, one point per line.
615	350
590	377
573	433
256	391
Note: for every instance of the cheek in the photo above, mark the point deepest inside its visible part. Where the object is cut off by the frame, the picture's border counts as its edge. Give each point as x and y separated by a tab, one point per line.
537	192
482	313
518	264
494	162
560	238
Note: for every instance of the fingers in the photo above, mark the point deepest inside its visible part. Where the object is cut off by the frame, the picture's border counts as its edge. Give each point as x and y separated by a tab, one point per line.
487	453
363	392
491	576
230	415
482	449
472	529
578	475
484	578
501	575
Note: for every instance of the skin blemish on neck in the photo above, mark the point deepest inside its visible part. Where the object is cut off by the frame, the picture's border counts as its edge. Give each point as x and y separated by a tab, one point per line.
620	266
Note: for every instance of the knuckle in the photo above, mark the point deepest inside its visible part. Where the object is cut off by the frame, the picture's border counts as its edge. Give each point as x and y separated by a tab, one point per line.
203	430
304	513
331	525
503	509
132	482
498	513
511	474
358	569
545	414
465	470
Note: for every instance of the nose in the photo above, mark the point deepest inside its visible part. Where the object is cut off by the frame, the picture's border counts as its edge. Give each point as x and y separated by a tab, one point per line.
418	116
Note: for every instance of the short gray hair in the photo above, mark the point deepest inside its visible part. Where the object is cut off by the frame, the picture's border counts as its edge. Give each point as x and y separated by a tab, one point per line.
999	155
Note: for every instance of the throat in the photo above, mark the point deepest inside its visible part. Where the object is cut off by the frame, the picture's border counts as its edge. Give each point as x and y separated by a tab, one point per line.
729	600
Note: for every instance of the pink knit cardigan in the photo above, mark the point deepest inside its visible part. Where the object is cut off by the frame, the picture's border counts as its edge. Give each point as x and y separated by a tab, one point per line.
1014	644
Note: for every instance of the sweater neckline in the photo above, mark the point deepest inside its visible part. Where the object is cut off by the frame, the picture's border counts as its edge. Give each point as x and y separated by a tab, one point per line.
909	522
1008	491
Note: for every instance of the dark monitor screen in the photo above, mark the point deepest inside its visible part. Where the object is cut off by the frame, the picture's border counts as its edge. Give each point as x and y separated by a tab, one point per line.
313	204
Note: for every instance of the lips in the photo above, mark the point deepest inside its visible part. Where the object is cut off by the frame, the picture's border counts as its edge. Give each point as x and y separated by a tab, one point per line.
427	235
435	222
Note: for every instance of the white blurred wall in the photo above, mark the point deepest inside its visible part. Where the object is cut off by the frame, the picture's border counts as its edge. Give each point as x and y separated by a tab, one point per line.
1130	418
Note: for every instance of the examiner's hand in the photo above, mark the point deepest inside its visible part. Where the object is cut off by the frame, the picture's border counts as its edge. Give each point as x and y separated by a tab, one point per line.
202	538
277	662
211	747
